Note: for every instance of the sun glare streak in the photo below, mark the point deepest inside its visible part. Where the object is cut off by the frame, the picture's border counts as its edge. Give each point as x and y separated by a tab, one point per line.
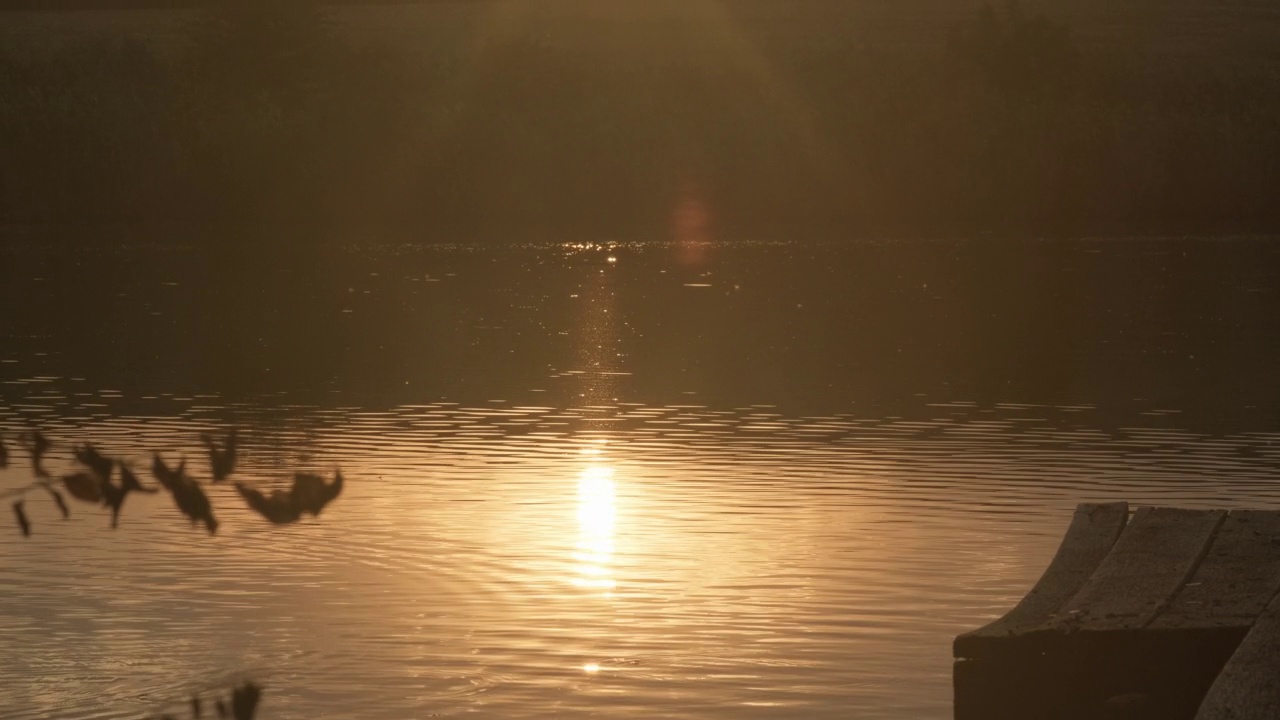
597	515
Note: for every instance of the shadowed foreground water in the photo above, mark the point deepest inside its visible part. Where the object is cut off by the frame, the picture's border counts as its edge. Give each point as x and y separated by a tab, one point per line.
576	544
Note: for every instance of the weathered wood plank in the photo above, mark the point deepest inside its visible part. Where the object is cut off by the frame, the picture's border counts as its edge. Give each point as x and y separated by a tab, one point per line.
1158	552
1091	535
1248	688
1238	577
1147	633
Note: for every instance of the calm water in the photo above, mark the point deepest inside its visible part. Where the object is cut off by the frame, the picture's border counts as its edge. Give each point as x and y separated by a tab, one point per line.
756	481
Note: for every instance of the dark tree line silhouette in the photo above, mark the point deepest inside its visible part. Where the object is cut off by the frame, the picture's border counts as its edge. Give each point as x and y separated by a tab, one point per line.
1020	53
269	113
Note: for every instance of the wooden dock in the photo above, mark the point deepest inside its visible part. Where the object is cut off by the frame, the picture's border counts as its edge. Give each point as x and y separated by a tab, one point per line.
1170	614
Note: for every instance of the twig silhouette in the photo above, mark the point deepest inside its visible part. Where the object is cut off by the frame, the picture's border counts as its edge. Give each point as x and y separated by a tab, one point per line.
57	499
36	445
22	519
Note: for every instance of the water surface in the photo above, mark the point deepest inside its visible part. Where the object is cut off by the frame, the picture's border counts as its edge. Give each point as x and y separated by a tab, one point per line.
765	480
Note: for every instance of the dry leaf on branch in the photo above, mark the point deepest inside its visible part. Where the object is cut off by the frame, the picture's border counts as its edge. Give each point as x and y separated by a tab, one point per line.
222	460
85	486
187	493
309	494
89	456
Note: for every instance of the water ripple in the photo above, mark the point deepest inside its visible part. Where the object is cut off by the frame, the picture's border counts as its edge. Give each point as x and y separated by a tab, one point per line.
525	561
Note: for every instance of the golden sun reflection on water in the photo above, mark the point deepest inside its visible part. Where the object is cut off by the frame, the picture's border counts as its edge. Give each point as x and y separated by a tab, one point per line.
597	515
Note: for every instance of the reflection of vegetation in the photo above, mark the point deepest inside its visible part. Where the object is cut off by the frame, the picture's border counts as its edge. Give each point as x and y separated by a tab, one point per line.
270	113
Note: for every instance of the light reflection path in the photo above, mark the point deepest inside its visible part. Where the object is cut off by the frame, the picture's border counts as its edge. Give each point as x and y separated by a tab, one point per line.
764	566
597	514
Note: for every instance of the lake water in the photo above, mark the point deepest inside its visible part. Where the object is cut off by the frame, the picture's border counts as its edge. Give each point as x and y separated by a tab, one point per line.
759	480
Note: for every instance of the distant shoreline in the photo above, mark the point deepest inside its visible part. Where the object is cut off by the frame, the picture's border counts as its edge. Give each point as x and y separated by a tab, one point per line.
554	119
